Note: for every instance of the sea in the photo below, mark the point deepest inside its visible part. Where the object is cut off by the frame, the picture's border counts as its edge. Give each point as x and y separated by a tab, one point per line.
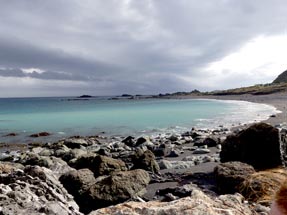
66	116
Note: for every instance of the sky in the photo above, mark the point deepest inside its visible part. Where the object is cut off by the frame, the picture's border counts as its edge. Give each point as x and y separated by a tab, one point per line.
111	47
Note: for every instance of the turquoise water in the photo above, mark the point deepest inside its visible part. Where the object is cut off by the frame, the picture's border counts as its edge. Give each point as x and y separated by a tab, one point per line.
64	117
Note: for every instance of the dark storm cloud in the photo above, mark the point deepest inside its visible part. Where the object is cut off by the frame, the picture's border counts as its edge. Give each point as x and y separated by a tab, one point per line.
119	46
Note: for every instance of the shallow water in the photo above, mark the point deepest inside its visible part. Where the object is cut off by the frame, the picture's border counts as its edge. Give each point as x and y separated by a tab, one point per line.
65	117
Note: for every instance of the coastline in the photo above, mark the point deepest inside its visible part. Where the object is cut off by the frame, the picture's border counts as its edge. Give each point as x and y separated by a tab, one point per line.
277	100
170	163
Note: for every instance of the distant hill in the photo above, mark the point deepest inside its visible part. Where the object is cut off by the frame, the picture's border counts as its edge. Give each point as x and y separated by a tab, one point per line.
282	78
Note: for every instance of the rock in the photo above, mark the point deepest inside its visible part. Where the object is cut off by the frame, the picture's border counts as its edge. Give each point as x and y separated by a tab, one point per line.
99	165
77	183
165	164
41	134
197	204
129	141
210	142
8	167
258	145
173	138
72	154
174	153
141	140
260	187
145	160
118	187
11	135
230	175
34	191
162	151
57	165
76	143
201	151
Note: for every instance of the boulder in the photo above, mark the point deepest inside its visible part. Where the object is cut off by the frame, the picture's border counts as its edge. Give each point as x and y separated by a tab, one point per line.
162	151
57	165
117	188
145	160
35	191
129	141
76	143
258	145
230	175
198	204
99	165
210	142
41	134
77	183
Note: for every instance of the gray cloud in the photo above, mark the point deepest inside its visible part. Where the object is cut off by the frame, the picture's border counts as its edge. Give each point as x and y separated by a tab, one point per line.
132	46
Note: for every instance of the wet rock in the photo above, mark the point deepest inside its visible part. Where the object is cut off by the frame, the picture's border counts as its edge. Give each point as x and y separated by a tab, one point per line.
76	143
35	191
258	145
11	135
99	165
41	134
230	175
145	160
198	203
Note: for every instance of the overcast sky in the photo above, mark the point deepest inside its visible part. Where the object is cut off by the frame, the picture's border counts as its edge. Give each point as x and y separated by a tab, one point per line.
109	47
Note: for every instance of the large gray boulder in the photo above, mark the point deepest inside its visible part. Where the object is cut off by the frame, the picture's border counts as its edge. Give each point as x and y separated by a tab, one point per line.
34	191
92	193
259	145
118	187
230	175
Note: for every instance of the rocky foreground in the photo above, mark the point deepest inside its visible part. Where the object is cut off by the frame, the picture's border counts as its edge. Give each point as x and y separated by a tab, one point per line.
197	172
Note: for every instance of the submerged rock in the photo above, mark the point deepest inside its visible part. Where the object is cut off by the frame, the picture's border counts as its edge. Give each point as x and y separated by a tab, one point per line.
41	134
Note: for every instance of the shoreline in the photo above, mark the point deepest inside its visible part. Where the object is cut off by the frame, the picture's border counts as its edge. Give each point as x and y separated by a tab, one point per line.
275	100
173	164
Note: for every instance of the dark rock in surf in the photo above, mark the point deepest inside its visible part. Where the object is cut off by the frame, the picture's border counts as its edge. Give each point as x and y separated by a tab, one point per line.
41	134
